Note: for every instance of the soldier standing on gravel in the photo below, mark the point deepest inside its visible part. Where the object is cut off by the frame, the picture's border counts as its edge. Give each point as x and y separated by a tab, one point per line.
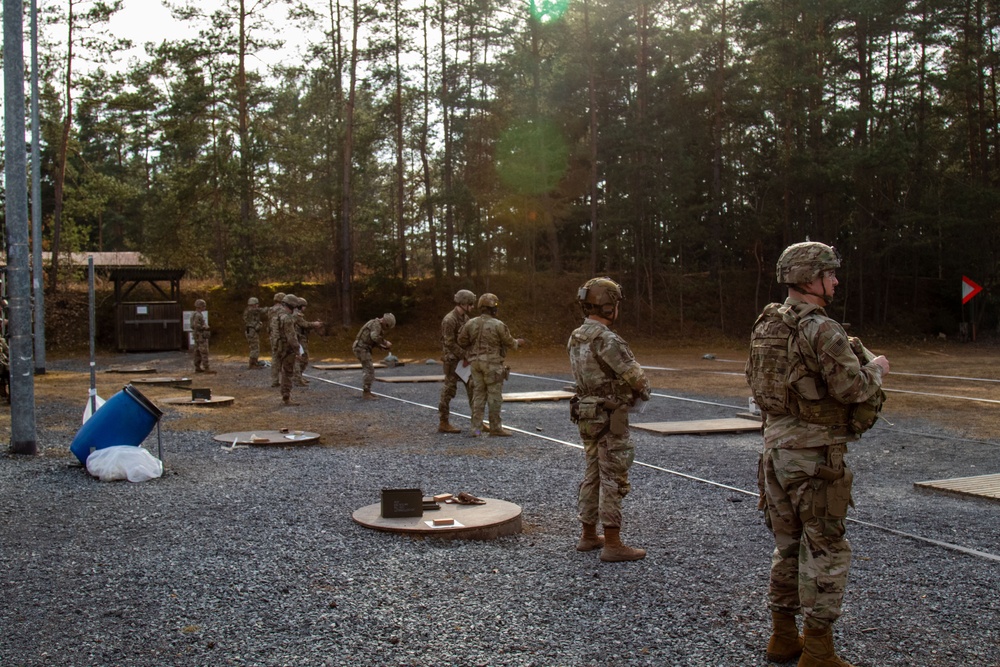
302	329
372	334
251	326
485	340
201	332
287	346
452	355
273	313
608	382
818	389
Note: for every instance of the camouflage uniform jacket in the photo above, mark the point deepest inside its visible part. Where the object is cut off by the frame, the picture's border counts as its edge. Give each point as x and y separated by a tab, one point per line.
485	338
603	364
303	326
288	338
831	369
199	327
450	326
251	318
370	336
273	314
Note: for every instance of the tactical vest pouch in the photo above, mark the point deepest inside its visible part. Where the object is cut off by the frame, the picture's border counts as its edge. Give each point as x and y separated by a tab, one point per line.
587	408
574	409
864	415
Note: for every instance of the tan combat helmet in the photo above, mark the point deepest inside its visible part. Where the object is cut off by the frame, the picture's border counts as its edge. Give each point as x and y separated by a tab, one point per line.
290	300
801	263
200	303
252	301
600	296
489	301
464	297
389	320
279	297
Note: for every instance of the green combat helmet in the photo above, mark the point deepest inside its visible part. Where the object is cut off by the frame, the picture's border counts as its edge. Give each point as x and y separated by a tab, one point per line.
200	303
600	296
252	301
290	300
464	297
279	297
389	320
802	263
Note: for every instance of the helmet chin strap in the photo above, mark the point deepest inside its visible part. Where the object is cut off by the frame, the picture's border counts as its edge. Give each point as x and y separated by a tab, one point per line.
827	298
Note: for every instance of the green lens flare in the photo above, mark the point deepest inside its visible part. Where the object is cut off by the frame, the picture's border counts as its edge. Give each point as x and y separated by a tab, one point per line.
532	157
545	11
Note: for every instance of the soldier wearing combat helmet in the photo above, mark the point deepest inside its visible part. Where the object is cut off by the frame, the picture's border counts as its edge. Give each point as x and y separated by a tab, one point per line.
452	355
371	335
818	389
273	313
486	340
200	332
251	327
608	381
286	346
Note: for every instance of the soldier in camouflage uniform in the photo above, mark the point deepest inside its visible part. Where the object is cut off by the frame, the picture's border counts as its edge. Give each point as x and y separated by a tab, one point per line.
273	332
251	326
452	355
372	334
287	346
201	332
485	340
810	379
608	381
302	329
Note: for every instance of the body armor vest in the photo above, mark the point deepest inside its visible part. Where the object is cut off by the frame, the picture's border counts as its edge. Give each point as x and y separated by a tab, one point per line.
780	380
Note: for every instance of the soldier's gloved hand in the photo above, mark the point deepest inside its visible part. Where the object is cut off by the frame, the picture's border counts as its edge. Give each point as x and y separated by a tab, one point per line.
644	393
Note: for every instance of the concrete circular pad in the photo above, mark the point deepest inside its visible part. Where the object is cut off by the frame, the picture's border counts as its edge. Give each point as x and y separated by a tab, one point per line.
267	438
497	518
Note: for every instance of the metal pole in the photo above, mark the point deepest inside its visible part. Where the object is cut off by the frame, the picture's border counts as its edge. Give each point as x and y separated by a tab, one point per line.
23	438
38	274
93	328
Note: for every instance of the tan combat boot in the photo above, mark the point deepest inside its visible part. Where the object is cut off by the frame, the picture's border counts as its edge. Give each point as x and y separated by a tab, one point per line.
614	551
445	427
368	395
589	539
785	643
817	649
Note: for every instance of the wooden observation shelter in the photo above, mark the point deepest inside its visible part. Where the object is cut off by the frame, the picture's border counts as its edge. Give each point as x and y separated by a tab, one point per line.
152	325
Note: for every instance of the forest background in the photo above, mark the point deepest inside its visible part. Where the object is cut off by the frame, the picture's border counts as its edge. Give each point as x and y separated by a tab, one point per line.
412	148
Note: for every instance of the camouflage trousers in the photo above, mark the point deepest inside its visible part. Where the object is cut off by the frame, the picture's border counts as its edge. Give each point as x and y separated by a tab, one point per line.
605	479
487	392
301	361
253	342
807	515
285	361
368	368
201	354
450	388
275	362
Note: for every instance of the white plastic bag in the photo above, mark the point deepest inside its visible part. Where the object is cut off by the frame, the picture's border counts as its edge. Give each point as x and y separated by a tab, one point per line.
123	462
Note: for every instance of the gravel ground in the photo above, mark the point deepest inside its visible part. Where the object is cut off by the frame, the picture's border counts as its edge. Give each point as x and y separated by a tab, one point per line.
250	556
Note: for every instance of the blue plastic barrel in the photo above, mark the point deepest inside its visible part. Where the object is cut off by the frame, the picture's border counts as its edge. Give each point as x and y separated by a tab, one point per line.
125	419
